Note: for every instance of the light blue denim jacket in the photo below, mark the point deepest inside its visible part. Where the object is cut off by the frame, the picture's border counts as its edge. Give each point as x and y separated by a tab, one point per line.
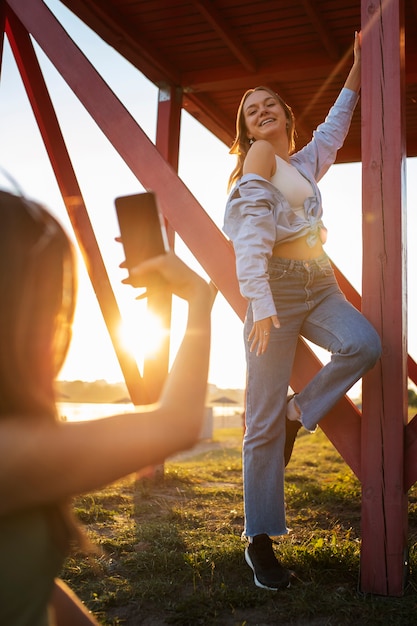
258	216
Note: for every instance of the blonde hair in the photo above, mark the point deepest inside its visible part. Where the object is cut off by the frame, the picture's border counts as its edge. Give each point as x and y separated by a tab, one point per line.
242	144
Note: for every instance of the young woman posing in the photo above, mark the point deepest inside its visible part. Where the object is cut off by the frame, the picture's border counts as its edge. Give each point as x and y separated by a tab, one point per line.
274	219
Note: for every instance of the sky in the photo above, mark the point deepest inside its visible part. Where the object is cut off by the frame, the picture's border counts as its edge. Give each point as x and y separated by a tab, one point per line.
204	166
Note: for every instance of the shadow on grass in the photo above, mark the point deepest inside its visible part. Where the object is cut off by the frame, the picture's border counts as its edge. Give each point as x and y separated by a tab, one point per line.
172	552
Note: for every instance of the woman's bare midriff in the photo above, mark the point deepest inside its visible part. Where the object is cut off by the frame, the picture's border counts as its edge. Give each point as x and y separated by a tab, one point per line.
299	250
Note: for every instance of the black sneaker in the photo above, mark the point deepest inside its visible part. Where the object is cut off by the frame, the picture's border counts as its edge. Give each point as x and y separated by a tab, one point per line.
268	573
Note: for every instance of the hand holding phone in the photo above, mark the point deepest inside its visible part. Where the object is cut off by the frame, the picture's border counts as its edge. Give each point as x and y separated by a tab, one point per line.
142	228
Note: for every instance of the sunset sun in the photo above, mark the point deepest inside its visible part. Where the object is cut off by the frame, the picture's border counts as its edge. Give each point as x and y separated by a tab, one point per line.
142	337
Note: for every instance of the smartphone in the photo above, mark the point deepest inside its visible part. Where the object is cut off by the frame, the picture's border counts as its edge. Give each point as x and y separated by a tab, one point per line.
142	227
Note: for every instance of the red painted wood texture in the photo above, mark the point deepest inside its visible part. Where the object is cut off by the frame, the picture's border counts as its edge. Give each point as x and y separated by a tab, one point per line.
216	49
384	405
167	142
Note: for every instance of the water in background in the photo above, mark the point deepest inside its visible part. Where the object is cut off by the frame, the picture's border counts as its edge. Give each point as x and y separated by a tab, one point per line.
81	411
217	417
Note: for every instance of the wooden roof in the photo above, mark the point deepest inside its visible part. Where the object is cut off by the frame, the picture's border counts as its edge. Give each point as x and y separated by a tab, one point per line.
213	50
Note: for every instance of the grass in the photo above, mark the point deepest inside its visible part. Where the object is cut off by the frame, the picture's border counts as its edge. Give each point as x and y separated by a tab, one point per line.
172	553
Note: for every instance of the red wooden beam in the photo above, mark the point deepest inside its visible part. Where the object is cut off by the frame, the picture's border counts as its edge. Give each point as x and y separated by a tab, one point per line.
318	22
169	124
342	425
316	65
51	133
354	297
384	503
107	21
155	369
167	142
2	28
227	33
410	448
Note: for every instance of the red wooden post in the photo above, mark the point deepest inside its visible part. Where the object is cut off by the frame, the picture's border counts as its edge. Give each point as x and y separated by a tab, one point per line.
2	27
167	141
384	503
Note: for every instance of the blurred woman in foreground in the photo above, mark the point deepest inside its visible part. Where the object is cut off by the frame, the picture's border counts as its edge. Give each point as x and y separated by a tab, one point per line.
43	461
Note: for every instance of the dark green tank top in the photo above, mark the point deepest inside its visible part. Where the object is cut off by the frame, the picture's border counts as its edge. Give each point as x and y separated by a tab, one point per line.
29	562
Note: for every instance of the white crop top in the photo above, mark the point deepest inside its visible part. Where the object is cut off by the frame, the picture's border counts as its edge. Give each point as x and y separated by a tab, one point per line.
293	185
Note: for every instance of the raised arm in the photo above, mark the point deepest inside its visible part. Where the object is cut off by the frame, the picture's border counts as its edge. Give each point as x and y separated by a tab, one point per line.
353	80
43	462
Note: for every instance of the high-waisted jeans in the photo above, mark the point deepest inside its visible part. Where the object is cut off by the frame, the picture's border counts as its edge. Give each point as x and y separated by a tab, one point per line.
309	303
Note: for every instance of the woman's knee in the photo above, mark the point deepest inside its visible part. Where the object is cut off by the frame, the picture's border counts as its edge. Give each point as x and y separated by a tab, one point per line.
370	348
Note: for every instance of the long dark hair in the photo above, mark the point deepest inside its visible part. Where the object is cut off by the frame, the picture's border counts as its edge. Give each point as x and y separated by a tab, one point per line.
242	144
37	299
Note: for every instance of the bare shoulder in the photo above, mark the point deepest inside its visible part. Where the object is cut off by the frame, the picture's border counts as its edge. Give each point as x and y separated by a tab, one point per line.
260	159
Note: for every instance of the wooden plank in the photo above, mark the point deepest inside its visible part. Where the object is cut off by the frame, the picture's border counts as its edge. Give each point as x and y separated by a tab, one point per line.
2	27
384	504
170	42
167	141
155	369
226	33
127	37
354	297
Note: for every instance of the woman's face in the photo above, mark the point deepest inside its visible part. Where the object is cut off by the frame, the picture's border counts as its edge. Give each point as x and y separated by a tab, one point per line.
264	116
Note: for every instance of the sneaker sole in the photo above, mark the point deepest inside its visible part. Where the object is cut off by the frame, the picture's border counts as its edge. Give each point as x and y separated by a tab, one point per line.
258	582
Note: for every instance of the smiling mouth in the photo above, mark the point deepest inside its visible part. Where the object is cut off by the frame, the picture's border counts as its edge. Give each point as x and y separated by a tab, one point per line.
270	119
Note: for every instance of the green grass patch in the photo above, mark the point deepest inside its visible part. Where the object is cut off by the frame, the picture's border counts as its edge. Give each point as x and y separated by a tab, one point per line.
171	551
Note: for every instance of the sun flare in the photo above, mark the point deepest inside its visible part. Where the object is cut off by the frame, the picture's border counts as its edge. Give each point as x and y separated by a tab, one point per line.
142	337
